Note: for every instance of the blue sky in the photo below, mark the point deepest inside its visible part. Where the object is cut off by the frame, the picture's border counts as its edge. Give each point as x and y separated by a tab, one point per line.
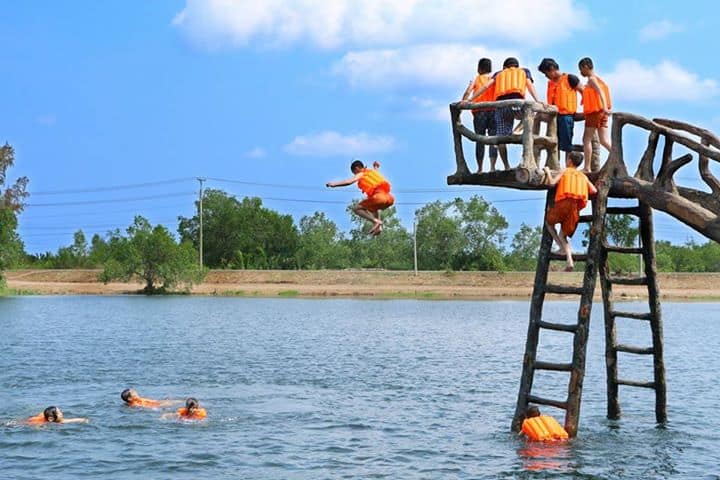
145	96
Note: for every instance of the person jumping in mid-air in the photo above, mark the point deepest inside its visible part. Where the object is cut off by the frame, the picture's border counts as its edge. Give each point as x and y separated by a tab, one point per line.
377	189
52	415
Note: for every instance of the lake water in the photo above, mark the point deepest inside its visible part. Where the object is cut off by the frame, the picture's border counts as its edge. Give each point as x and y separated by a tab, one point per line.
315	389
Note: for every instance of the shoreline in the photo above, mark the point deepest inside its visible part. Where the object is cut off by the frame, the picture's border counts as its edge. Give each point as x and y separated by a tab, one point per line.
361	284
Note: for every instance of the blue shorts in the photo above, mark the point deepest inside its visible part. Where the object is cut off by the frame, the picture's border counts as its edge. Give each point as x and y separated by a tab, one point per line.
565	124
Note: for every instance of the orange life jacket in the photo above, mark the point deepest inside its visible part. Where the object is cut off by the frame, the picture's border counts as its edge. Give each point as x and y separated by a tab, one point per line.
510	80
198	414
372	181
37	419
543	428
572	184
591	97
488	95
145	402
562	95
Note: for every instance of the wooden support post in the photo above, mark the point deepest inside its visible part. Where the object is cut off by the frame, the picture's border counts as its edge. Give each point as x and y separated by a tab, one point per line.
460	163
648	241
613	401
528	121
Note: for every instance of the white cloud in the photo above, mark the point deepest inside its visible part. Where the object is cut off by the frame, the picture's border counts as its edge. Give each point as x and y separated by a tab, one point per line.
658	30
256	152
431	109
665	81
425	65
329	143
337	23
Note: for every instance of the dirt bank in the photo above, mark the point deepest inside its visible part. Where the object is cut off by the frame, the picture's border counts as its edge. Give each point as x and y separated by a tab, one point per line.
328	283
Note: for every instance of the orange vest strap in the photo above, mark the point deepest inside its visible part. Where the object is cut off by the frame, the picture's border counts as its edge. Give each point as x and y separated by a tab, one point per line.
488	95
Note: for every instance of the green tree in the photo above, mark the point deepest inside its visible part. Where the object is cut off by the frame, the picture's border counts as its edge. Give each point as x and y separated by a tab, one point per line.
321	244
392	250
12	201
484	230
152	254
439	236
241	234
524	248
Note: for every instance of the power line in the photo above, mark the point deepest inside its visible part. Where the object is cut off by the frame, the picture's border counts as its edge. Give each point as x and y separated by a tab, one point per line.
116	200
113	187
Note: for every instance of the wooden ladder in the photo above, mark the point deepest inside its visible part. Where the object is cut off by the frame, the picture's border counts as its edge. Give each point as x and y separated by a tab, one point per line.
612	347
579	329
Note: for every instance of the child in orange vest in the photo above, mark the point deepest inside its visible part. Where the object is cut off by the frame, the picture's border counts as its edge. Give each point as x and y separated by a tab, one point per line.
571	196
562	93
596	108
483	118
377	189
52	415
191	411
133	399
542	428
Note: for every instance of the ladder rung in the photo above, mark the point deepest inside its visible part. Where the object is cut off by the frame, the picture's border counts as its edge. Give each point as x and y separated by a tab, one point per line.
632	349
563	289
633	383
558	367
636	316
628	281
616	249
623	211
578	257
546	401
586	218
561	327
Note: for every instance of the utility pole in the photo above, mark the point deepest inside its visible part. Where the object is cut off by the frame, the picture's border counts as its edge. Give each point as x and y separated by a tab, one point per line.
415	244
200	208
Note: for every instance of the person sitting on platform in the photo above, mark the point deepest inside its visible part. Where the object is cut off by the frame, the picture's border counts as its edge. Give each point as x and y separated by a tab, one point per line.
377	189
483	118
132	399
562	90
571	196
52	415
510	83
542	428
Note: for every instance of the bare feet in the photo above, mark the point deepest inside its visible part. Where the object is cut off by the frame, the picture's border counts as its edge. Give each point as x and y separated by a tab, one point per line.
376	229
570	268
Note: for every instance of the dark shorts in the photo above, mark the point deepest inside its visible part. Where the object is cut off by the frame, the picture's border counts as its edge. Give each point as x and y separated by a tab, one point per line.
504	118
565	125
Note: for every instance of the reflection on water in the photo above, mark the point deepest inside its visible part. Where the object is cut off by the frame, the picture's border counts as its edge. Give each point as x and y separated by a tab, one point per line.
334	389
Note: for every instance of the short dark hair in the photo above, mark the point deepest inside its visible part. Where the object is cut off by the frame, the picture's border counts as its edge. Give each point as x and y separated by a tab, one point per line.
191	403
548	64
576	158
356	164
511	62
51	414
484	65
586	62
532	411
125	395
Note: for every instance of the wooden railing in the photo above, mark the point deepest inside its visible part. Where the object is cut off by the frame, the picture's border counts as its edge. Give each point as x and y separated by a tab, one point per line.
533	114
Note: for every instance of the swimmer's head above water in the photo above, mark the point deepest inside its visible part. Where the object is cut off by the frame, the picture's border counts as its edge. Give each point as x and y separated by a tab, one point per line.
128	395
532	411
53	415
192	405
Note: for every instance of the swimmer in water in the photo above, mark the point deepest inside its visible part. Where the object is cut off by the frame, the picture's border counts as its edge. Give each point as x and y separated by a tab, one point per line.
132	399
191	411
53	415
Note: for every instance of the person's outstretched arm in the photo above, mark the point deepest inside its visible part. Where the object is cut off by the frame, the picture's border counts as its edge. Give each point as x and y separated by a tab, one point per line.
550	179
482	89
75	420
344	183
531	89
